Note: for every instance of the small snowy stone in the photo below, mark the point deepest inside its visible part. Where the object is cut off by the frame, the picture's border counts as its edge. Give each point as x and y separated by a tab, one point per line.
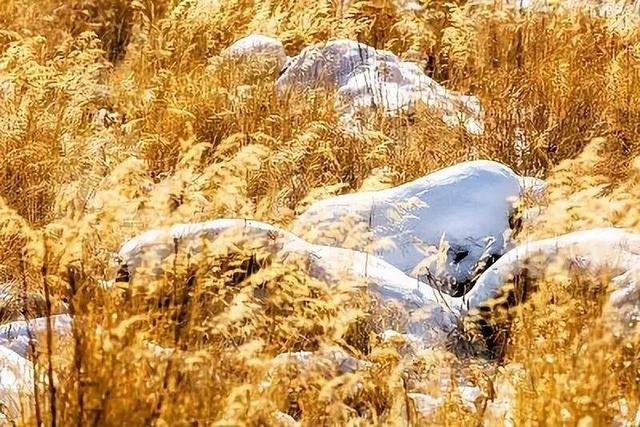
257	48
426	405
285	420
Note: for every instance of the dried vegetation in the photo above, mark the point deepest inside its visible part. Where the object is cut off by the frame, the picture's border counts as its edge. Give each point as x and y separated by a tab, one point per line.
120	115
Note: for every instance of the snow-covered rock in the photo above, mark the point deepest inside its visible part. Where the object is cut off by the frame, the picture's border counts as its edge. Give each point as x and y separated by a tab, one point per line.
501	410
405	344
285	420
258	49
467	205
18	340
18	336
363	77
12	302
613	251
425	404
329	362
621	312
148	253
328	65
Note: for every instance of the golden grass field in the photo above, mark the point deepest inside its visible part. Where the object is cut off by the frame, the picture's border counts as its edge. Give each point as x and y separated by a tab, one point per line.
189	137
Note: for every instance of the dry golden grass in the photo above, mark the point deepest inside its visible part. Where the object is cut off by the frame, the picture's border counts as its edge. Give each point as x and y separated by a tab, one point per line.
188	138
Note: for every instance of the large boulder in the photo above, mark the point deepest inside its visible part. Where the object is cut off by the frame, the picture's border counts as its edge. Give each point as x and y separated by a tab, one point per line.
463	212
362	77
147	256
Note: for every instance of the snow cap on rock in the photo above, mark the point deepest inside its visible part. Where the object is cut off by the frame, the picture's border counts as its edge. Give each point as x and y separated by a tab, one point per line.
147	254
258	48
602	250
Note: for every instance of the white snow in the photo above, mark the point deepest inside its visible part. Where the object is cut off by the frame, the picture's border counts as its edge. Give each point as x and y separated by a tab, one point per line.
150	250
425	404
285	420
467	205
327	65
611	250
501	409
428	405
363	77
